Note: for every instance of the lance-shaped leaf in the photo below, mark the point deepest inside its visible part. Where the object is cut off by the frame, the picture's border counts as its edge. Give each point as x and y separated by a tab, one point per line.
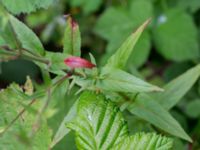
99	123
142	141
26	37
72	38
63	131
120	58
120	81
148	109
177	88
24	6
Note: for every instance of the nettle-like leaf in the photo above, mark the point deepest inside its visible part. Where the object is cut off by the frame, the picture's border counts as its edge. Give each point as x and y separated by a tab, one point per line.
12	101
100	125
120	58
72	38
117	80
25	6
142	141
177	88
175	36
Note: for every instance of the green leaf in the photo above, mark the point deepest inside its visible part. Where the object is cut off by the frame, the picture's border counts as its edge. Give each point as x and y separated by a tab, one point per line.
148	109
175	36
192	109
177	88
17	136
5	30
72	38
24	6
142	141
26	37
99	123
192	5
117	23
88	6
120	81
57	62
120	58
63	131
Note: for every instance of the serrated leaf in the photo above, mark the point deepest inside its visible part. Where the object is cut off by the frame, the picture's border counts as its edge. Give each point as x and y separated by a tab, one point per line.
120	81
24	6
72	38
26	37
142	141
99	123
120	58
177	88
175	36
17	136
62	130
148	109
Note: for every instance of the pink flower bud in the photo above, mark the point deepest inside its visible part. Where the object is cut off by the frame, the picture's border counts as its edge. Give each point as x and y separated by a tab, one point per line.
77	62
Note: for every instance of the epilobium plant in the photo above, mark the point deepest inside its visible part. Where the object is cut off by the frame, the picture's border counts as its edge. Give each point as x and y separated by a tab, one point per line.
106	95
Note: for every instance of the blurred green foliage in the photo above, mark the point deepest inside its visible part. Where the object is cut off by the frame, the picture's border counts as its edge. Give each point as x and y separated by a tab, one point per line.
166	49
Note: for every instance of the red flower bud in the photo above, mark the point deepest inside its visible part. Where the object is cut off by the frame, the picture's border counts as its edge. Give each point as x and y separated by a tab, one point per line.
77	62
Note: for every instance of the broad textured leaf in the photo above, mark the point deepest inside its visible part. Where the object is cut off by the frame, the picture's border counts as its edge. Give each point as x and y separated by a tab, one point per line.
25	6
26	37
99	123
72	38
63	131
120	58
148	109
120	81
142	141
17	137
175	36
177	88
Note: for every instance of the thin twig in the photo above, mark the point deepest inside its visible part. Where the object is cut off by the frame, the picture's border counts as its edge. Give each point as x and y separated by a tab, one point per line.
17	117
37	122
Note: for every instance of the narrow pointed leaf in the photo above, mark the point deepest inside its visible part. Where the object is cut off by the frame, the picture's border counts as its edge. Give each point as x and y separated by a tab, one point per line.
120	81
99	123
142	141
63	131
26	37
148	109
72	38
120	58
177	88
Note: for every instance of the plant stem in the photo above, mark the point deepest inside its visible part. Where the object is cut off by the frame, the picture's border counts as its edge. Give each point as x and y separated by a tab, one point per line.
17	117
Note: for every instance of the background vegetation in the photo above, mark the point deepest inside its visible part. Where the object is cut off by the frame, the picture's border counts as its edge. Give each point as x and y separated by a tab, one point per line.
167	48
